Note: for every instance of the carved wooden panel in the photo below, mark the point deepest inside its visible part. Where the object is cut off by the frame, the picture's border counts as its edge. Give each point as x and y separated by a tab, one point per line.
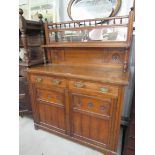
35	53
34	40
51	115
93	105
90	129
51	108
87	56
52	97
112	56
91	118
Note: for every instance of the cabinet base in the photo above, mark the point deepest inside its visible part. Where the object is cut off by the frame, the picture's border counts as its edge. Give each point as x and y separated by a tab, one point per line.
97	148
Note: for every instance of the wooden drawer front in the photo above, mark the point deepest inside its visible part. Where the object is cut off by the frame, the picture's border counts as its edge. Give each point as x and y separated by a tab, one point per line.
52	97
92	104
93	87
48	81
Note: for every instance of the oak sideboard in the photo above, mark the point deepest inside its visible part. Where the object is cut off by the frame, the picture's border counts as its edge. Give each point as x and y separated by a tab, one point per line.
79	93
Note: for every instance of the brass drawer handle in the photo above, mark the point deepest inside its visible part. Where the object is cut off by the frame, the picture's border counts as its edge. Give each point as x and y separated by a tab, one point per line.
104	90
39	79
79	85
56	82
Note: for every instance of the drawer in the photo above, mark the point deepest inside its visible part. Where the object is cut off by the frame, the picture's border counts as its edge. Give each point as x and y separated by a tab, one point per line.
52	97
93	87
92	104
48	81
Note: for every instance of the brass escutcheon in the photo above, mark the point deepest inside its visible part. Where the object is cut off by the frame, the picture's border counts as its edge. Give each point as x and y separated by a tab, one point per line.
79	85
39	79
104	90
56	82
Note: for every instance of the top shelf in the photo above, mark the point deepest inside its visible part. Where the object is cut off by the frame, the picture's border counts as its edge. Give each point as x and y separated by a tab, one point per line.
112	31
88	44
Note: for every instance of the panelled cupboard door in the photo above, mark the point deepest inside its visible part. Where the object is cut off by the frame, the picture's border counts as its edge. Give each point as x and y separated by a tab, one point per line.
91	118
51	108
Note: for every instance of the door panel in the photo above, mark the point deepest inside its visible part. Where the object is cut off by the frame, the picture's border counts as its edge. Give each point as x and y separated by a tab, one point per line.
51	108
94	105
90	127
90	121
77	123
85	121
51	115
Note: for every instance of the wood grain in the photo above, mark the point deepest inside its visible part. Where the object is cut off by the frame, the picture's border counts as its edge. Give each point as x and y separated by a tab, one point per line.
79	93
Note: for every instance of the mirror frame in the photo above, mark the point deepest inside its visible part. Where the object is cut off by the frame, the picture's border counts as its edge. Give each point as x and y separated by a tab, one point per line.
114	12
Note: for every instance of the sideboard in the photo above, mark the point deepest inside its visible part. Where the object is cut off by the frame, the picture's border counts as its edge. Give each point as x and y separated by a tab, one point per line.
79	93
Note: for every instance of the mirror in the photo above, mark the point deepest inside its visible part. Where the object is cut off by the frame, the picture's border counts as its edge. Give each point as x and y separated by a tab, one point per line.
90	9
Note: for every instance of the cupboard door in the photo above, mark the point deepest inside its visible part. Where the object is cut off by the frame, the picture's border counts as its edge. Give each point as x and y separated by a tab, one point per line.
51	109
91	118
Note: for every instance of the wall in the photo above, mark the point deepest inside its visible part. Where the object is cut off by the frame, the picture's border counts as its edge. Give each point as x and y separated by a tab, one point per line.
48	8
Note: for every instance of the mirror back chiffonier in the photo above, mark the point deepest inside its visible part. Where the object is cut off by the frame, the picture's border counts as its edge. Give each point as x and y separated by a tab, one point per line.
79	93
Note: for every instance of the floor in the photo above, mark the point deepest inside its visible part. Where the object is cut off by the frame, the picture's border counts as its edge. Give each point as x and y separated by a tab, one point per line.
39	142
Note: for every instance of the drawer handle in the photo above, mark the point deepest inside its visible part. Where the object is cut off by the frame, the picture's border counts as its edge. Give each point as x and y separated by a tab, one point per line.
79	85
104	90
56	82
90	104
39	79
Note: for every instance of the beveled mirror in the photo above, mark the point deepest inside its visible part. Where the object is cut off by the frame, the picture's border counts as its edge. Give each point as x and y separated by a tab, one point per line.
90	9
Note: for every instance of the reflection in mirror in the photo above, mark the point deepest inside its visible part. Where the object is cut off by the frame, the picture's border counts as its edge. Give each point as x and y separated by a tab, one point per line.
97	34
90	9
109	34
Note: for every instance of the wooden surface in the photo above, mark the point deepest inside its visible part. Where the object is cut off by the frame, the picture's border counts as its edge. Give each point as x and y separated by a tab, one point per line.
30	40
85	114
69	101
114	44
107	75
30	37
79	93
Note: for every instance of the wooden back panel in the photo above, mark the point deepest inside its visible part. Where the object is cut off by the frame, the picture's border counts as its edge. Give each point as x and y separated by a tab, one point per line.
87	56
100	53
